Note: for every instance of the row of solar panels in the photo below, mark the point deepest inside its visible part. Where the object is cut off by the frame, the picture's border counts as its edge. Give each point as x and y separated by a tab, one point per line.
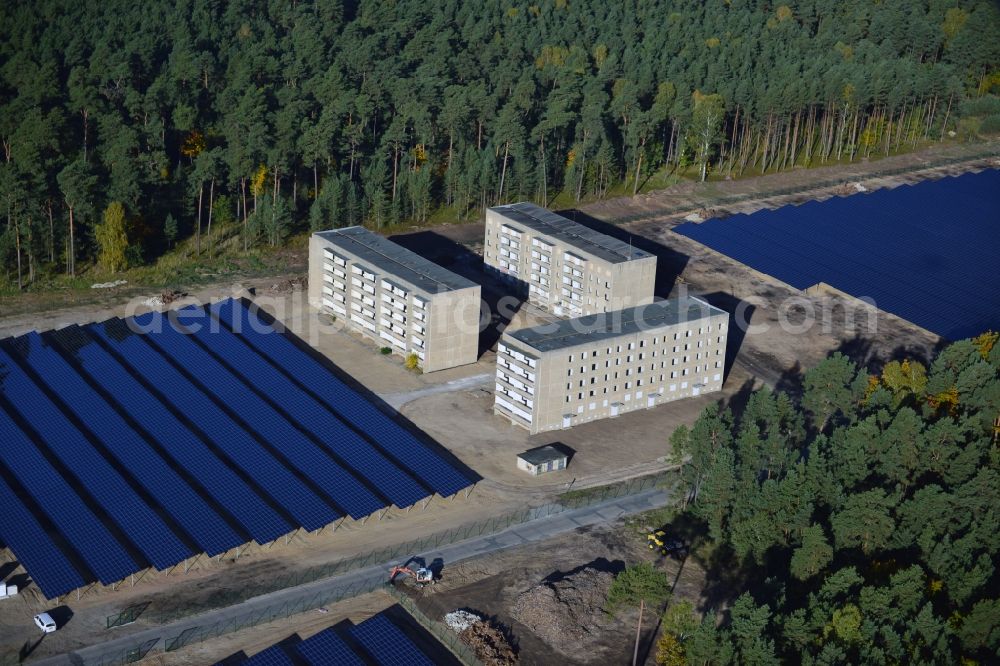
922	252
206	431
378	640
845	227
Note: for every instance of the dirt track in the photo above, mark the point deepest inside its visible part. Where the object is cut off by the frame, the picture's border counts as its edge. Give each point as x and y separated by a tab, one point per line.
492	586
798	185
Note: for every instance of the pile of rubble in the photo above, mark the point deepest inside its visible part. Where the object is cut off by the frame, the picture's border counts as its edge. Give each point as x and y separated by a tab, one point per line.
109	285
566	611
702	214
489	643
164	298
461	620
847	189
289	285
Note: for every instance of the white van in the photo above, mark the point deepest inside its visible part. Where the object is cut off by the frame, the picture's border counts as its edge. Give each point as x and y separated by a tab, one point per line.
45	622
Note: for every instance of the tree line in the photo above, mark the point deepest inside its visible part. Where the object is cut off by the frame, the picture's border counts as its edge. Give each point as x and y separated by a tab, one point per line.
860	522
260	116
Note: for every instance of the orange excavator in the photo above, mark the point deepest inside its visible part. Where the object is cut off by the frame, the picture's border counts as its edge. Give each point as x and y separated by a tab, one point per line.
422	576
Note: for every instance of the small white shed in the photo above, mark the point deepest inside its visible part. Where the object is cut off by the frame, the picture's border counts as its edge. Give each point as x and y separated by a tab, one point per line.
543	459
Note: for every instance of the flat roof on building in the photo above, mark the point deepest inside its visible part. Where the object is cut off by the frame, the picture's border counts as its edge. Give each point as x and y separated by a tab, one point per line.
571	233
542	455
395	260
606	325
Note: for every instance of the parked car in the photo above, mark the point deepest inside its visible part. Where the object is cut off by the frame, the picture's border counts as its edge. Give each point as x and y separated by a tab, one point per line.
45	622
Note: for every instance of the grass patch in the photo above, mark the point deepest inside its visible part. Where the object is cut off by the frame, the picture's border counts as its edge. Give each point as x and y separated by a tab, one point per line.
654	519
181	268
592	494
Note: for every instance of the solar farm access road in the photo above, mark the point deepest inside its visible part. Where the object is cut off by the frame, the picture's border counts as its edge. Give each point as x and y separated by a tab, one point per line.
534	531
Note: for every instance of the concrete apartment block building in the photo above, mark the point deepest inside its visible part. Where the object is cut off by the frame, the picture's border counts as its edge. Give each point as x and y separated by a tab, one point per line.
578	370
563	266
394	296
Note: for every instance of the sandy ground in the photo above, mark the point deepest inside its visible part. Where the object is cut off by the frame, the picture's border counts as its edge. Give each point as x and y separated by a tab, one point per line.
632	444
461	419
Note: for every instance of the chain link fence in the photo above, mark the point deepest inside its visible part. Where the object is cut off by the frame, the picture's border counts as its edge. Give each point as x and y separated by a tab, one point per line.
271	613
709	200
129	655
126	616
568	501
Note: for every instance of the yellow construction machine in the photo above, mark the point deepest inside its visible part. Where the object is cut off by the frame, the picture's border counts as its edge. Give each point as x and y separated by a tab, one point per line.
659	540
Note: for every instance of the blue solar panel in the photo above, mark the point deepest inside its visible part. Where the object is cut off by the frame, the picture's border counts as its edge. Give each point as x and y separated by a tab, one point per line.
178	442
150	533
98	548
48	566
397	441
236	443
387	644
216	478
272	656
923	252
262	417
327	649
381	472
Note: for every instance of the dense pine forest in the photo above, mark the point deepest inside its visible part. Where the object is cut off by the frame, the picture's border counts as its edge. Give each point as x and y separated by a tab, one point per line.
129	127
862	518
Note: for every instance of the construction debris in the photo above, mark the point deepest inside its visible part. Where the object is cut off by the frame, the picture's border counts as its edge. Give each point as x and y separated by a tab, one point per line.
701	215
164	298
109	285
291	284
847	189
461	620
489	644
565	611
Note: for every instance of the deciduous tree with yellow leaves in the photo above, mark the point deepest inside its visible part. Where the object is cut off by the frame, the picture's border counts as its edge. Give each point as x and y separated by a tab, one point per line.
112	238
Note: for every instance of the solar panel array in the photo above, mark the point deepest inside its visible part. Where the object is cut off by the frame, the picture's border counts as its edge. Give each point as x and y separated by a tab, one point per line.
428	466
387	644
324	427
140	443
272	656
379	640
327	649
924	252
